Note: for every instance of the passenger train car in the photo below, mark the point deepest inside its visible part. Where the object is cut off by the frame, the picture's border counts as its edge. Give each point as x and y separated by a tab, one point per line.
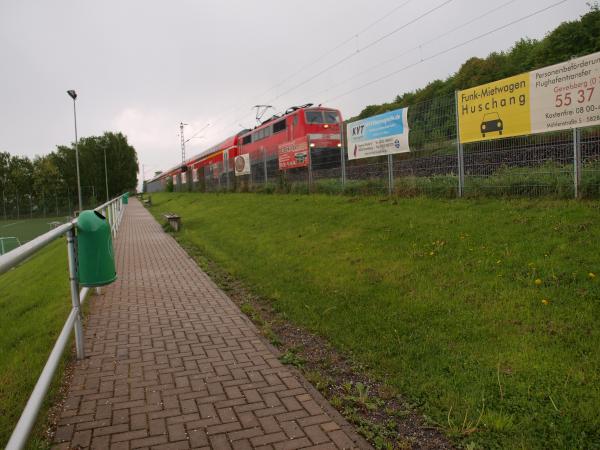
302	135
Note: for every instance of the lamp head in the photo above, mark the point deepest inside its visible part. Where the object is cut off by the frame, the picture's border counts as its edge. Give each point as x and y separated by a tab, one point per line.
72	94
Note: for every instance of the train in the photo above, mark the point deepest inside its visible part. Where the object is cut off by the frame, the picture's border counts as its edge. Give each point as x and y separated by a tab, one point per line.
289	142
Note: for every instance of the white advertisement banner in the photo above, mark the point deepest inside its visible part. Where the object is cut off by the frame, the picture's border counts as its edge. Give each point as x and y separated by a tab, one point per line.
242	165
384	134
566	95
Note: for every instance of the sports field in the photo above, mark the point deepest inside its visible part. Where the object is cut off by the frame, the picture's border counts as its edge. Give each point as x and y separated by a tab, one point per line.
25	230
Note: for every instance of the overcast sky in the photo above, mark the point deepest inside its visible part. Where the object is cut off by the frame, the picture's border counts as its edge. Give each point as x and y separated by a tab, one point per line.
141	67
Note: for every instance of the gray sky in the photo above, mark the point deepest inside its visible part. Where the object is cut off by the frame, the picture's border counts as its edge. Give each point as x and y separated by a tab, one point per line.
141	67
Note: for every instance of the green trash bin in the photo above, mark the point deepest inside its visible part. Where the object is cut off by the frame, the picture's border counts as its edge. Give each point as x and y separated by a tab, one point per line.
95	256
126	198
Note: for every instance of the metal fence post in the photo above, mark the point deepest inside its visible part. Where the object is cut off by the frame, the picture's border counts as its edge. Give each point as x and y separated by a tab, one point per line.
265	165
251	177
459	149
226	164
69	202
75	293
577	161
342	155
309	168
390	174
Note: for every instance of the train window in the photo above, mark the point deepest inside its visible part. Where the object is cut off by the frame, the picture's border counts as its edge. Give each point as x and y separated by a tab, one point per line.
331	117
314	117
267	131
295	120
279	126
247	139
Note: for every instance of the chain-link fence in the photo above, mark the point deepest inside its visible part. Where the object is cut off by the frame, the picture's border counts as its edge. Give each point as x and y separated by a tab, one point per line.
560	164
17	204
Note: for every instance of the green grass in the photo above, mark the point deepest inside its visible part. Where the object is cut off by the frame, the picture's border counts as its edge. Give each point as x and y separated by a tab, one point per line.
27	229
34	304
436	296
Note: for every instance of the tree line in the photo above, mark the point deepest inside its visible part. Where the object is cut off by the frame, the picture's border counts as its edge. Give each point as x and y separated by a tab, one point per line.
48	184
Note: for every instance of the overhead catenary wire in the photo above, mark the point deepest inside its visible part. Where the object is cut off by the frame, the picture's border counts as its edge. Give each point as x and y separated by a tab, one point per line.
406	52
337	47
322	56
454	47
366	47
443	51
351	55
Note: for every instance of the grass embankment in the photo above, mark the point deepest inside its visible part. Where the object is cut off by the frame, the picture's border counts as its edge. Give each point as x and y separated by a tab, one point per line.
34	304
484	313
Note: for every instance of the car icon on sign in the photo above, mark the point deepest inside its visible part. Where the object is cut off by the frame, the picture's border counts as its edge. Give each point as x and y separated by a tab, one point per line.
491	122
301	157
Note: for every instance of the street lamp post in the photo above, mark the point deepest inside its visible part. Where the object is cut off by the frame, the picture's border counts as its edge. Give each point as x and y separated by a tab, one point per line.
73	95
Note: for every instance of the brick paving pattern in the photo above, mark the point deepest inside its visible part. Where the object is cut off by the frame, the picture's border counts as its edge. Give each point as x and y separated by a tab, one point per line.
172	363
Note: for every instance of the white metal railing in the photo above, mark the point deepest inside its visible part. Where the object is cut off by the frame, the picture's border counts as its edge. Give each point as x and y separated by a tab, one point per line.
113	211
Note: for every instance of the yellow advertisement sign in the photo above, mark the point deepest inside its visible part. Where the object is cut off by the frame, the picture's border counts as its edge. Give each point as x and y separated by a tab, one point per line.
558	97
498	109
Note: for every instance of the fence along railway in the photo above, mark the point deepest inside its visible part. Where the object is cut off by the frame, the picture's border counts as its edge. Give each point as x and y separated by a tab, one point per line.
515	149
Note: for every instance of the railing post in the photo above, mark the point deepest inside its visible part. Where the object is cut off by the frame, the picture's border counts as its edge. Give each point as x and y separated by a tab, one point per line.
111	213
459	149
390	174
77	326
577	161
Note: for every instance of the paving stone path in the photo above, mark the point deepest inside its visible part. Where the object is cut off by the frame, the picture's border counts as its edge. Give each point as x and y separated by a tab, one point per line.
172	363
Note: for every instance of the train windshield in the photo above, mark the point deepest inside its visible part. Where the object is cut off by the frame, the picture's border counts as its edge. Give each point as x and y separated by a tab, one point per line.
317	117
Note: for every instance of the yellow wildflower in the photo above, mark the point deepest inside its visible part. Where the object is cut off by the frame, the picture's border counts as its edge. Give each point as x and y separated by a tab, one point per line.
545	302
538	282
592	275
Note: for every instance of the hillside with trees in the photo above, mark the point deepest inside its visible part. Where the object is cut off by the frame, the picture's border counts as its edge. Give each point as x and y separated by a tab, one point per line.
568	40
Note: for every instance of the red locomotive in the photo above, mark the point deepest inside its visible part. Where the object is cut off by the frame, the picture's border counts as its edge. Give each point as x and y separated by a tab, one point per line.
303	135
